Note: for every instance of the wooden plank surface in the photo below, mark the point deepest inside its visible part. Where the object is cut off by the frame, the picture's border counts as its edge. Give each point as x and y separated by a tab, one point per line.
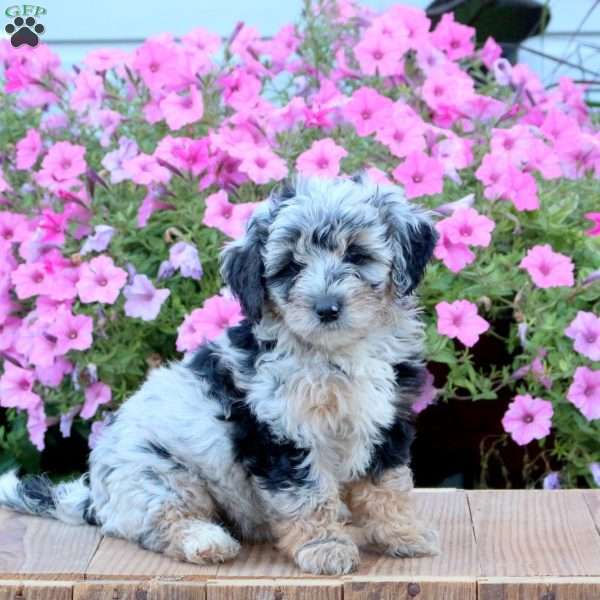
587	588
323	589
44	549
139	590
522	533
592	499
118	559
35	590
449	513
414	589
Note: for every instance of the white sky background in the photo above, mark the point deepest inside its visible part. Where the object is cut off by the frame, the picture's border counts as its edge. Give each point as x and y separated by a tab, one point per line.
73	27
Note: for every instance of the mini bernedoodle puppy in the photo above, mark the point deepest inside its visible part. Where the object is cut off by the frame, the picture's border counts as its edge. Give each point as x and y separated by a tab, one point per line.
294	426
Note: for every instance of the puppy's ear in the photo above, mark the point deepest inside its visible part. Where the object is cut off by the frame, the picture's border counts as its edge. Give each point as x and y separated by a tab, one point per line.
243	270
413	236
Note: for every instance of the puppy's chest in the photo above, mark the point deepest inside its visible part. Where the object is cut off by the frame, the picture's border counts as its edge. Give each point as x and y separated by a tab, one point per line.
339	413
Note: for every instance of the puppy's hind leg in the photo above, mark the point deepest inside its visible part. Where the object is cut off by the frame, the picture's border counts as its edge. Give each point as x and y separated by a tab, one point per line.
185	528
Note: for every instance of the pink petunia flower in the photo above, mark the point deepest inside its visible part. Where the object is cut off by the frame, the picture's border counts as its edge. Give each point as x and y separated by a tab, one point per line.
207	323
72	332
37	425
454	39
13	227
144	170
460	320
262	165
427	396
65	161
31	279
322	158
584	330
16	388
467	226
115	160
156	62
28	149
490	52
229	218
455	256
548	268
584	392
97	429
594	217
528	419
100	280
52	375
420	174
366	110
378	55
95	395
143	300
182	110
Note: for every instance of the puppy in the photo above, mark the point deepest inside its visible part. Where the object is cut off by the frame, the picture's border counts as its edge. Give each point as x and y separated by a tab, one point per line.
302	410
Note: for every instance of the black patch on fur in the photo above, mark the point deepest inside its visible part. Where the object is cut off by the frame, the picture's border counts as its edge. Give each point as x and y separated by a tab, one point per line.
324	237
422	240
163	453
243	271
36	493
410	377
394	449
357	255
286	275
89	514
277	464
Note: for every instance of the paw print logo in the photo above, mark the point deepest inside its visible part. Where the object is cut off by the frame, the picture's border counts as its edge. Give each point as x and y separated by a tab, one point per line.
24	31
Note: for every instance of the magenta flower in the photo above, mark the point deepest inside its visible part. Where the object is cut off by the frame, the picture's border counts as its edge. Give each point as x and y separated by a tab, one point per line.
144	169
150	204
207	323
100	280
184	256
585	331
31	279
584	392
36	425
366	110
420	174
378	55
594	217
28	149
156	63
95	395
99	240
229	218
52	375
467	226
65	161
454	39
455	256
460	320
490	52
182	110
72	332
143	300
548	268
262	165
403	134
97	428
427	396
13	227
16	388
528	419
322	159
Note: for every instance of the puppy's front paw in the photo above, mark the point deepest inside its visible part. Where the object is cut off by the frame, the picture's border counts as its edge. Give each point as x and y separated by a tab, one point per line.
420	541
331	556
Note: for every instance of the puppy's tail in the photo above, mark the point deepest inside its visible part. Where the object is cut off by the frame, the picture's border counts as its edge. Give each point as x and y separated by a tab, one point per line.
36	495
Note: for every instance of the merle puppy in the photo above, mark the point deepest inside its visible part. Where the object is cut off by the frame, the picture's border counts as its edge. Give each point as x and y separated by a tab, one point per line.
289	422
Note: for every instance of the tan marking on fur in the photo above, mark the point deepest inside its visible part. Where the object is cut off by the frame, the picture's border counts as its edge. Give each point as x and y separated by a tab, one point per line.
318	542
383	515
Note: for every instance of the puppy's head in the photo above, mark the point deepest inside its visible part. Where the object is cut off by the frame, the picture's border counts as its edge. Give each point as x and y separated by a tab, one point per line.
330	258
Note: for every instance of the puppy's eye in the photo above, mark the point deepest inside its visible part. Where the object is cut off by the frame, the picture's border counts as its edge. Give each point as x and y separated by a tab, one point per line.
289	271
356	255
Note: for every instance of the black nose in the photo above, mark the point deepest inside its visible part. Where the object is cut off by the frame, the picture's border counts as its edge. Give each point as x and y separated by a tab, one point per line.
328	308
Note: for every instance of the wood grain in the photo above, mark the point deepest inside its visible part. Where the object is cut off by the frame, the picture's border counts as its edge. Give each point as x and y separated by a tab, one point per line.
140	590
521	533
449	513
323	589
118	559
410	589
44	549
548	589
592	499
35	590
